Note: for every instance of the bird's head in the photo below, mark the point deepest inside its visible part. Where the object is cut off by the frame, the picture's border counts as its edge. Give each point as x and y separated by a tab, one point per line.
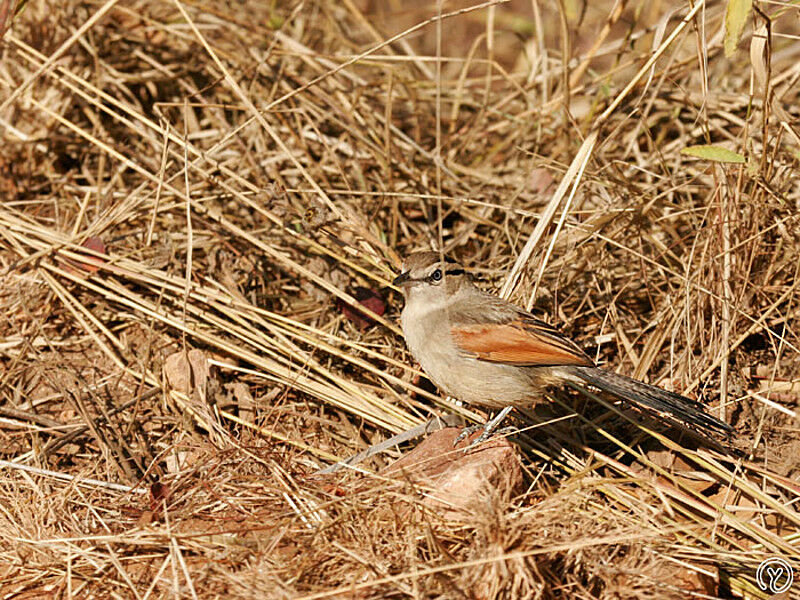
431	275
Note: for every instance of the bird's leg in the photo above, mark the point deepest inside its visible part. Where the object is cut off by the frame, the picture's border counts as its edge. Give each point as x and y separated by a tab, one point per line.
488	429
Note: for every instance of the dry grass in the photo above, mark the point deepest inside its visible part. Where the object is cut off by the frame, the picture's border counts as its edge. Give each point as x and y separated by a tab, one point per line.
247	166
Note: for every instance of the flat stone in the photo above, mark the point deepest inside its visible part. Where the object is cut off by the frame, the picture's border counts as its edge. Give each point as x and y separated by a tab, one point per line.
454	481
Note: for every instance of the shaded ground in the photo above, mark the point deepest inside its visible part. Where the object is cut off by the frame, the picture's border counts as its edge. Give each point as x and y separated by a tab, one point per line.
238	178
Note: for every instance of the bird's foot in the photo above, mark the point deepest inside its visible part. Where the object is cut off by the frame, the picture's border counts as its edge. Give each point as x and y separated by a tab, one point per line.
468	431
489	429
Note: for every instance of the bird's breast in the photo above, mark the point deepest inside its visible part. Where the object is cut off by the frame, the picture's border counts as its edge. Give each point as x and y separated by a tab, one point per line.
469	379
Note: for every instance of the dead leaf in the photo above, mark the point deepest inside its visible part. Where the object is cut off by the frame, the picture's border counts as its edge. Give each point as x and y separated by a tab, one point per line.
89	264
368	298
187	372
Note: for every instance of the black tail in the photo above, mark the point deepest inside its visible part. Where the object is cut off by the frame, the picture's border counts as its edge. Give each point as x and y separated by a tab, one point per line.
651	397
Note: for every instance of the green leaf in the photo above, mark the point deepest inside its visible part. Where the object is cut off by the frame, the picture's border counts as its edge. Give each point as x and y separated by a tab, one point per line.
522	26
572	10
713	153
20	7
735	18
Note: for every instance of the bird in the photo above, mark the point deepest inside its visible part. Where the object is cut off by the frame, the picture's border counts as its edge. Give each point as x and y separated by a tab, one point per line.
488	352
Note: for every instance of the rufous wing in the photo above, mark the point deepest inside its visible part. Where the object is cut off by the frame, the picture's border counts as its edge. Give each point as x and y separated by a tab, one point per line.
518	343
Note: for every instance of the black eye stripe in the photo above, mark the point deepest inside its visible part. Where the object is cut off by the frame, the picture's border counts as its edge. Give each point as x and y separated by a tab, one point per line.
458	271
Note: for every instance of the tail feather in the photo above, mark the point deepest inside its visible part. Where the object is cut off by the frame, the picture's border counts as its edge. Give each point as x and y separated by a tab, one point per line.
651	397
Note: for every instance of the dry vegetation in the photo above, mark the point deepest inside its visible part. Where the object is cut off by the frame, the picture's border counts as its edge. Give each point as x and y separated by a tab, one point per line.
224	177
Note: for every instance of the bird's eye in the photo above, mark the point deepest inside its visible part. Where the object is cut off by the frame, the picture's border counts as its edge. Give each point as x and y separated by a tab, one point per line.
436	275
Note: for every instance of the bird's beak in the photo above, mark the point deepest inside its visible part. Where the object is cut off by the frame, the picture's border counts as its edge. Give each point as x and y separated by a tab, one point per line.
401	279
